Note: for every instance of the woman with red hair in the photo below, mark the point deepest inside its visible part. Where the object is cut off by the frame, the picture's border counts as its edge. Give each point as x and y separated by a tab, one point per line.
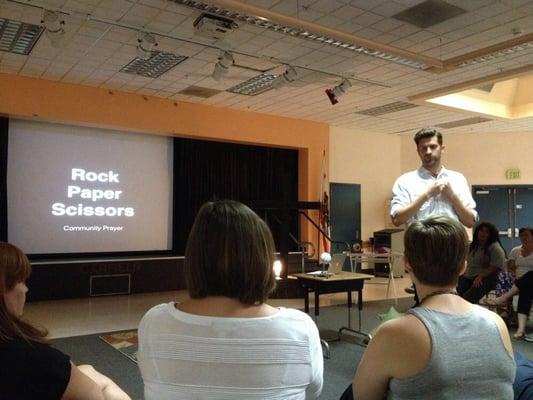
30	367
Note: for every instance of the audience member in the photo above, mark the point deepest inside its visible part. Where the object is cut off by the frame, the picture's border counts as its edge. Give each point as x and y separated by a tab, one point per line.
31	368
439	349
486	258
521	257
523	286
225	342
520	262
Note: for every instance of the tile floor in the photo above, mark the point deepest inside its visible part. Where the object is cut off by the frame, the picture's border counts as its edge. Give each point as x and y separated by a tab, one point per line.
73	317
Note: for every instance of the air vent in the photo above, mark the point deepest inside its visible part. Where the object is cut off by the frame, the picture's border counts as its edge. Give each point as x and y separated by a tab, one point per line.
18	37
155	66
199	91
387	108
107	285
213	26
253	86
429	13
409	130
463	122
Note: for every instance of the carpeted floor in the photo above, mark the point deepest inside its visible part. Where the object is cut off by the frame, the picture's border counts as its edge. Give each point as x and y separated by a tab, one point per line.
338	369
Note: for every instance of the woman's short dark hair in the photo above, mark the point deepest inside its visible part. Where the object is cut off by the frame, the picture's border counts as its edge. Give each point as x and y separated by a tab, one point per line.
230	252
436	248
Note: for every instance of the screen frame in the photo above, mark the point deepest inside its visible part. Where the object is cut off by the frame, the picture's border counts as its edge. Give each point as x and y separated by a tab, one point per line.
88	255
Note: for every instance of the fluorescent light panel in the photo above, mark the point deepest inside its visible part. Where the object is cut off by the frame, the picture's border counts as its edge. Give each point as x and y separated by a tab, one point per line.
18	37
155	66
498	54
254	86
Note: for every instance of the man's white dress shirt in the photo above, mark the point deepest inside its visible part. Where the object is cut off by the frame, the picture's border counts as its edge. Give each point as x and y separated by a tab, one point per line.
411	185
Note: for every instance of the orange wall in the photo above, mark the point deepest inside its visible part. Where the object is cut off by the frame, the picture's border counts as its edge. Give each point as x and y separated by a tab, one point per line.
28	98
372	160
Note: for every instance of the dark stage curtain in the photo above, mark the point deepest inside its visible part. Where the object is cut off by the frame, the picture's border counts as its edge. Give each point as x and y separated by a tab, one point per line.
4	123
205	170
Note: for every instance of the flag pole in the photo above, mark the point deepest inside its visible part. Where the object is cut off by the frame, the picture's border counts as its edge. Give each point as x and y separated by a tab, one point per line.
322	215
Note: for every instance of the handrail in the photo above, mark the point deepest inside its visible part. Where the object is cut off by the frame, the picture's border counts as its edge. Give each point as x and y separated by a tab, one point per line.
322	231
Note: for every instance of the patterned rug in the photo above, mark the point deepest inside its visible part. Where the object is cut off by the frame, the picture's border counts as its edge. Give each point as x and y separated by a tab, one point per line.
125	342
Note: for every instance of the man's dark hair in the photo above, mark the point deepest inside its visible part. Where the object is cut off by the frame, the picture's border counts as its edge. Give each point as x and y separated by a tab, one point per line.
436	249
425	133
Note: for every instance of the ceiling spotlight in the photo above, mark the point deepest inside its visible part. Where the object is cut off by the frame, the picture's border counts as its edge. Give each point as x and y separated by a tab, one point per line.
146	45
53	27
287	77
338	91
225	61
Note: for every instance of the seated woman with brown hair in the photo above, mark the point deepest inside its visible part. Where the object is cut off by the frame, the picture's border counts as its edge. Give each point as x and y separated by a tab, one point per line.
30	367
225	342
440	349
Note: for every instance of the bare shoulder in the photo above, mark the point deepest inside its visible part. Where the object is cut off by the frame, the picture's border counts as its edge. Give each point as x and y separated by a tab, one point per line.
405	343
407	327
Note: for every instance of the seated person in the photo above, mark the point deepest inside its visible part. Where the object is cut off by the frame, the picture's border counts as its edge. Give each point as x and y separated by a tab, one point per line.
521	257
438	350
225	342
523	286
520	262
486	258
31	368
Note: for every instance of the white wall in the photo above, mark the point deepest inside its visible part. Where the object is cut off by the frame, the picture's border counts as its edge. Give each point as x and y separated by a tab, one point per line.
482	158
371	160
375	160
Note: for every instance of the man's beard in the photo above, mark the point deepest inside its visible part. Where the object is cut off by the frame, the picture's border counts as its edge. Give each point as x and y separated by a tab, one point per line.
430	162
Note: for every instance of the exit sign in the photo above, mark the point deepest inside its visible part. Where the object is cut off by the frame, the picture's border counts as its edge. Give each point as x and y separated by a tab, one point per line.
512	173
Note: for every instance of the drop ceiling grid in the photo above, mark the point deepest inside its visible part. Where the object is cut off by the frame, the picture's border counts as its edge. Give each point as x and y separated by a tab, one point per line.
116	48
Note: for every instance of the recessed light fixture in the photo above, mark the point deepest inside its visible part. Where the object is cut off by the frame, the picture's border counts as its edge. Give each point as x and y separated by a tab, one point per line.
18	37
155	66
505	94
254	86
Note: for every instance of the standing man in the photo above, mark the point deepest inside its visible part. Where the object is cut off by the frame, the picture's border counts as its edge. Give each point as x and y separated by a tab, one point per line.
431	190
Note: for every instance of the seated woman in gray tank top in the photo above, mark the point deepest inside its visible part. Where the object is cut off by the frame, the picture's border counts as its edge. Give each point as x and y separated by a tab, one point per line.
446	348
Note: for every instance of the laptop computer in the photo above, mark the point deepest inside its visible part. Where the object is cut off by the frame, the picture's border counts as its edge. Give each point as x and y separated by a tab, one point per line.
337	263
335	266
